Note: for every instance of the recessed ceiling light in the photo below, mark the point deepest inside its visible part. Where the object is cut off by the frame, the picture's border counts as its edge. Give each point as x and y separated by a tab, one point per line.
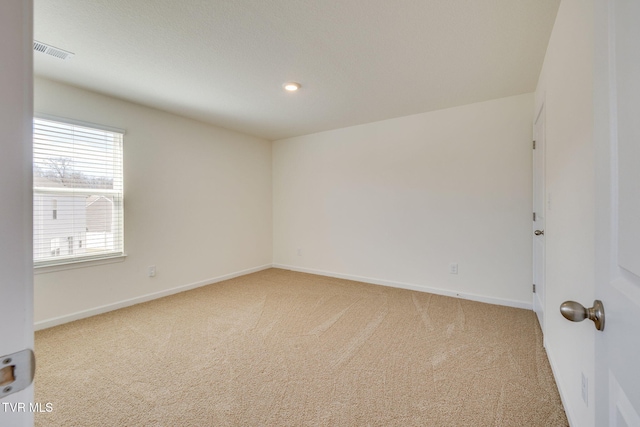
291	86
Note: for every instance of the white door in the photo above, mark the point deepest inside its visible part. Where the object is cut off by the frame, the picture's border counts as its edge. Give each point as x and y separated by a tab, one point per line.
538	217
16	271
617	139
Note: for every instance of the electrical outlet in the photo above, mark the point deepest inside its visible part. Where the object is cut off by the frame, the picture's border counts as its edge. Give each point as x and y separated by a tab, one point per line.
585	389
152	271
299	252
453	268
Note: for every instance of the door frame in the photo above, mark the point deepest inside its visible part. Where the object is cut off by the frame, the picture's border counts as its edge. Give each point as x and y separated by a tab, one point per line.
541	146
16	229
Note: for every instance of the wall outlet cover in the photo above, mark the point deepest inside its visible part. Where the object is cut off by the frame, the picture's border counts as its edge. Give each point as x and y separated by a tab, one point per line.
453	268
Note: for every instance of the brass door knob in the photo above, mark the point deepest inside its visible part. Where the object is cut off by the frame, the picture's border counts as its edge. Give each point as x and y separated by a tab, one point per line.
576	312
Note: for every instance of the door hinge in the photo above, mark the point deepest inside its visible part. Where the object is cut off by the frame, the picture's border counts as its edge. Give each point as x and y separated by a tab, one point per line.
534	288
534	216
534	145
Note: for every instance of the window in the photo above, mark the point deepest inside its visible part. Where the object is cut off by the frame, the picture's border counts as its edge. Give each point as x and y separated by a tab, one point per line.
77	192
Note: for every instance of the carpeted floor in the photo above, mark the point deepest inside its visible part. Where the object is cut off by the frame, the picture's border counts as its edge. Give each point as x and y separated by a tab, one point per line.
280	348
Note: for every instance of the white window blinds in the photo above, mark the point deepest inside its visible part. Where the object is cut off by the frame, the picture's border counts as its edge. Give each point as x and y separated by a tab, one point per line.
77	193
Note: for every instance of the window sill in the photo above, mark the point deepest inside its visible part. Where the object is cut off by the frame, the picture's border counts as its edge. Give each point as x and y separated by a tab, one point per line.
71	265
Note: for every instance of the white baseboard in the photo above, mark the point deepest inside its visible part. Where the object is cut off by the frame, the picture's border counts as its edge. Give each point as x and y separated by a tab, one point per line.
48	323
421	288
560	390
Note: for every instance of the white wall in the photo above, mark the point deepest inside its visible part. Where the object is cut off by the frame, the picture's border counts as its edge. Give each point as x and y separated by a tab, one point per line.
565	86
395	201
197	206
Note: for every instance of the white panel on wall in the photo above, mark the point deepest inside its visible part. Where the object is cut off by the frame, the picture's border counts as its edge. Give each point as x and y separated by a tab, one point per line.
401	199
566	87
197	205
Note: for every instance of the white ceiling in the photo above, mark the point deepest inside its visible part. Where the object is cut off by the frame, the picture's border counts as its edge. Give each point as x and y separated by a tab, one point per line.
359	61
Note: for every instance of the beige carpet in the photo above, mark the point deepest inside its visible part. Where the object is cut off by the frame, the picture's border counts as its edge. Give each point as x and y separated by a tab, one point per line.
279	348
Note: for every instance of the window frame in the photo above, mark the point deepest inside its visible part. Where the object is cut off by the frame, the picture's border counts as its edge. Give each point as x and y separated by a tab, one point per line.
78	261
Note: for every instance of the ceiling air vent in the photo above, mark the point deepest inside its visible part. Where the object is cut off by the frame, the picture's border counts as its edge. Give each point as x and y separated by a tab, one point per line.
52	51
